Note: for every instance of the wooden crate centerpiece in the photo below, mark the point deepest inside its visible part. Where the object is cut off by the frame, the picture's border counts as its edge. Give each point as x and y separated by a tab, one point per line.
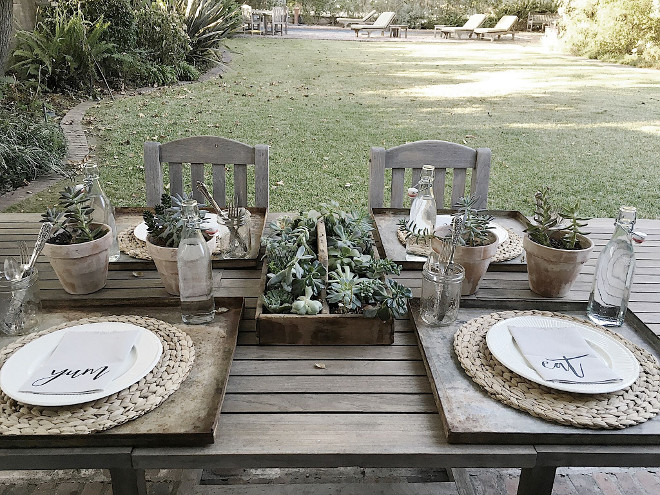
333	324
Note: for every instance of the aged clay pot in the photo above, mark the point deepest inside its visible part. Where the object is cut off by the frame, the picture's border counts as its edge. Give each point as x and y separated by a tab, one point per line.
475	261
551	271
81	268
165	260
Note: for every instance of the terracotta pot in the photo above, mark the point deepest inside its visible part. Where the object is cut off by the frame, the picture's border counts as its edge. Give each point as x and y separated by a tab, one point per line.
551	271
475	261
165	260
81	268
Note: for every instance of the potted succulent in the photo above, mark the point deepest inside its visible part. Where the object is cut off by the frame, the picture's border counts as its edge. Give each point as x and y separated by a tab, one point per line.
555	247
78	249
164	227
477	244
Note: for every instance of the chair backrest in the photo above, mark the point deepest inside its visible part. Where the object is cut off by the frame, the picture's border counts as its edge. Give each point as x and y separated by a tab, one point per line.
475	21
383	20
368	16
279	14
443	155
198	150
506	22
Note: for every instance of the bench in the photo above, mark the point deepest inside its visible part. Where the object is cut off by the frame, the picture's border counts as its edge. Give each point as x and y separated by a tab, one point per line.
541	20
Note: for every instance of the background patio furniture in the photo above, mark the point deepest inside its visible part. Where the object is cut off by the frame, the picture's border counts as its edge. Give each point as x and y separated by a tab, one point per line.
472	23
279	20
541	20
504	26
382	24
444	156
347	21
198	150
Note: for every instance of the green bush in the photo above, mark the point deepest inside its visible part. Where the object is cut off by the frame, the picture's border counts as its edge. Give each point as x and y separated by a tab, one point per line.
65	54
625	31
161	35
28	147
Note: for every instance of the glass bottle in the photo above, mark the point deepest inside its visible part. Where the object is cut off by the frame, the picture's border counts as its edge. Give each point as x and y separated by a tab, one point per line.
423	211
103	212
195	273
614	272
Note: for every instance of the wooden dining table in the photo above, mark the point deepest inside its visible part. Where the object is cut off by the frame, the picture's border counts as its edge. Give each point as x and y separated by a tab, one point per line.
336	406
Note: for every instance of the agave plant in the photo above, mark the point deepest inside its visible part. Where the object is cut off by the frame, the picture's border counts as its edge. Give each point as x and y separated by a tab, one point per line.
165	224
208	23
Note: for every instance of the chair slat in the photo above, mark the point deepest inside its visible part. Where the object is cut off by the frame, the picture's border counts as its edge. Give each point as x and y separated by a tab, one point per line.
439	179
458	185
416	175
240	183
153	173
220	184
261	185
376	177
197	174
480	178
176	179
397	187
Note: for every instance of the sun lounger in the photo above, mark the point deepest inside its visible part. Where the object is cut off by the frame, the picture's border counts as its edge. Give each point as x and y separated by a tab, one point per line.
347	21
382	24
503	26
472	23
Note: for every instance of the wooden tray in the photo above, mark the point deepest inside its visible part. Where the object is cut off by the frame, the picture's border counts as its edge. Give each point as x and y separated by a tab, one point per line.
470	416
127	217
189	416
390	247
324	328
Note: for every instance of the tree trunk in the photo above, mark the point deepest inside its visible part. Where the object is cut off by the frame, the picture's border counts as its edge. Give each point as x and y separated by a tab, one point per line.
6	8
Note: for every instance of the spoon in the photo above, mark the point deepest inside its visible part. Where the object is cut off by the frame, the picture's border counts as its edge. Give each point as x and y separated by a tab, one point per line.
42	237
13	270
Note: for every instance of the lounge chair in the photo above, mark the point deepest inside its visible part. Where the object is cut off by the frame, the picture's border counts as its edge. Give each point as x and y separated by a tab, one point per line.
503	26
472	23
347	21
382	24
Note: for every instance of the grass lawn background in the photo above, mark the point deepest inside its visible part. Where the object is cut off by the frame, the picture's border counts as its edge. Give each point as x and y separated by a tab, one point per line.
588	130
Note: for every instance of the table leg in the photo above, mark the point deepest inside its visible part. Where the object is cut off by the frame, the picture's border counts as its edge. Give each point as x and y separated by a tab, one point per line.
128	481
537	480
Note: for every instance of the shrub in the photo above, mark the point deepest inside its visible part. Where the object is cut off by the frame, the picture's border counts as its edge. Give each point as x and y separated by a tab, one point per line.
61	55
208	23
28	147
161	35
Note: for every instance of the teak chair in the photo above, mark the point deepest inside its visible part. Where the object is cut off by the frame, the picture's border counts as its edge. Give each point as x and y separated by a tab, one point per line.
382	24
472	23
347	21
443	155
197	151
506	25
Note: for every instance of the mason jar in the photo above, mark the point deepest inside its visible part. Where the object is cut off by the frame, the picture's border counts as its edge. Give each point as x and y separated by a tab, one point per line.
19	304
441	291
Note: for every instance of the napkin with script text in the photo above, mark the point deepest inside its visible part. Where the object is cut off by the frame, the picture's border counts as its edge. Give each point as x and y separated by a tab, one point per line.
84	362
562	355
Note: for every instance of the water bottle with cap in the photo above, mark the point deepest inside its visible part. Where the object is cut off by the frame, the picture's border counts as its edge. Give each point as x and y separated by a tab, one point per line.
104	211
423	209
614	272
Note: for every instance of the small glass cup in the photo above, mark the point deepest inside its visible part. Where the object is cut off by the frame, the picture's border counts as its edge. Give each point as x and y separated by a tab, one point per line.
441	291
19	304
237	243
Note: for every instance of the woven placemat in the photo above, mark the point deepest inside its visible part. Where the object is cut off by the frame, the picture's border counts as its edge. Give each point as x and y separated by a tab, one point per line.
132	402
508	250
131	245
617	410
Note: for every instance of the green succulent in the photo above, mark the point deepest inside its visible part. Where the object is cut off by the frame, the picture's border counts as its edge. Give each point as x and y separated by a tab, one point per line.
165	224
72	218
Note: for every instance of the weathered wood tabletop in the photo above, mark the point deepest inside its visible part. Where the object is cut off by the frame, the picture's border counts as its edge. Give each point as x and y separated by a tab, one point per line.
369	406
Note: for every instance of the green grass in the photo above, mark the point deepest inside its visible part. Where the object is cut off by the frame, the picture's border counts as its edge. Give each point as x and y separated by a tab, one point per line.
588	130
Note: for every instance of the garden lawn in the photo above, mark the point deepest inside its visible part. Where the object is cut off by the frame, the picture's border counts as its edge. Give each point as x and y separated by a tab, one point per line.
588	130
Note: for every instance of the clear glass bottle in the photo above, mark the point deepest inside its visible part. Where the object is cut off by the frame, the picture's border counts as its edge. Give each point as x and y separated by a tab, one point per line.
422	211
614	272
103	212
195	272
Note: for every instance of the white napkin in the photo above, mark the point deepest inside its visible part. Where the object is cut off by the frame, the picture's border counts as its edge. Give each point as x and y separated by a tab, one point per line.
84	362
562	355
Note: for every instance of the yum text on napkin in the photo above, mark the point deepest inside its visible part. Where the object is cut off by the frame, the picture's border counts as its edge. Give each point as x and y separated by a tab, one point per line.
562	355
84	362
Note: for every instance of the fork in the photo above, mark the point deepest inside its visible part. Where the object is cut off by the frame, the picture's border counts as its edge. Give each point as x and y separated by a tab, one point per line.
23	249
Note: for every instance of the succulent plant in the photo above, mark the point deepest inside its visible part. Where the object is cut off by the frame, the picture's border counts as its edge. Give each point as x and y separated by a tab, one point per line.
72	218
165	224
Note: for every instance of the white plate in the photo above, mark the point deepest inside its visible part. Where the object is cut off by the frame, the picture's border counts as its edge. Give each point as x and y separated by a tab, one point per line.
501	233
210	222
617	356
143	357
